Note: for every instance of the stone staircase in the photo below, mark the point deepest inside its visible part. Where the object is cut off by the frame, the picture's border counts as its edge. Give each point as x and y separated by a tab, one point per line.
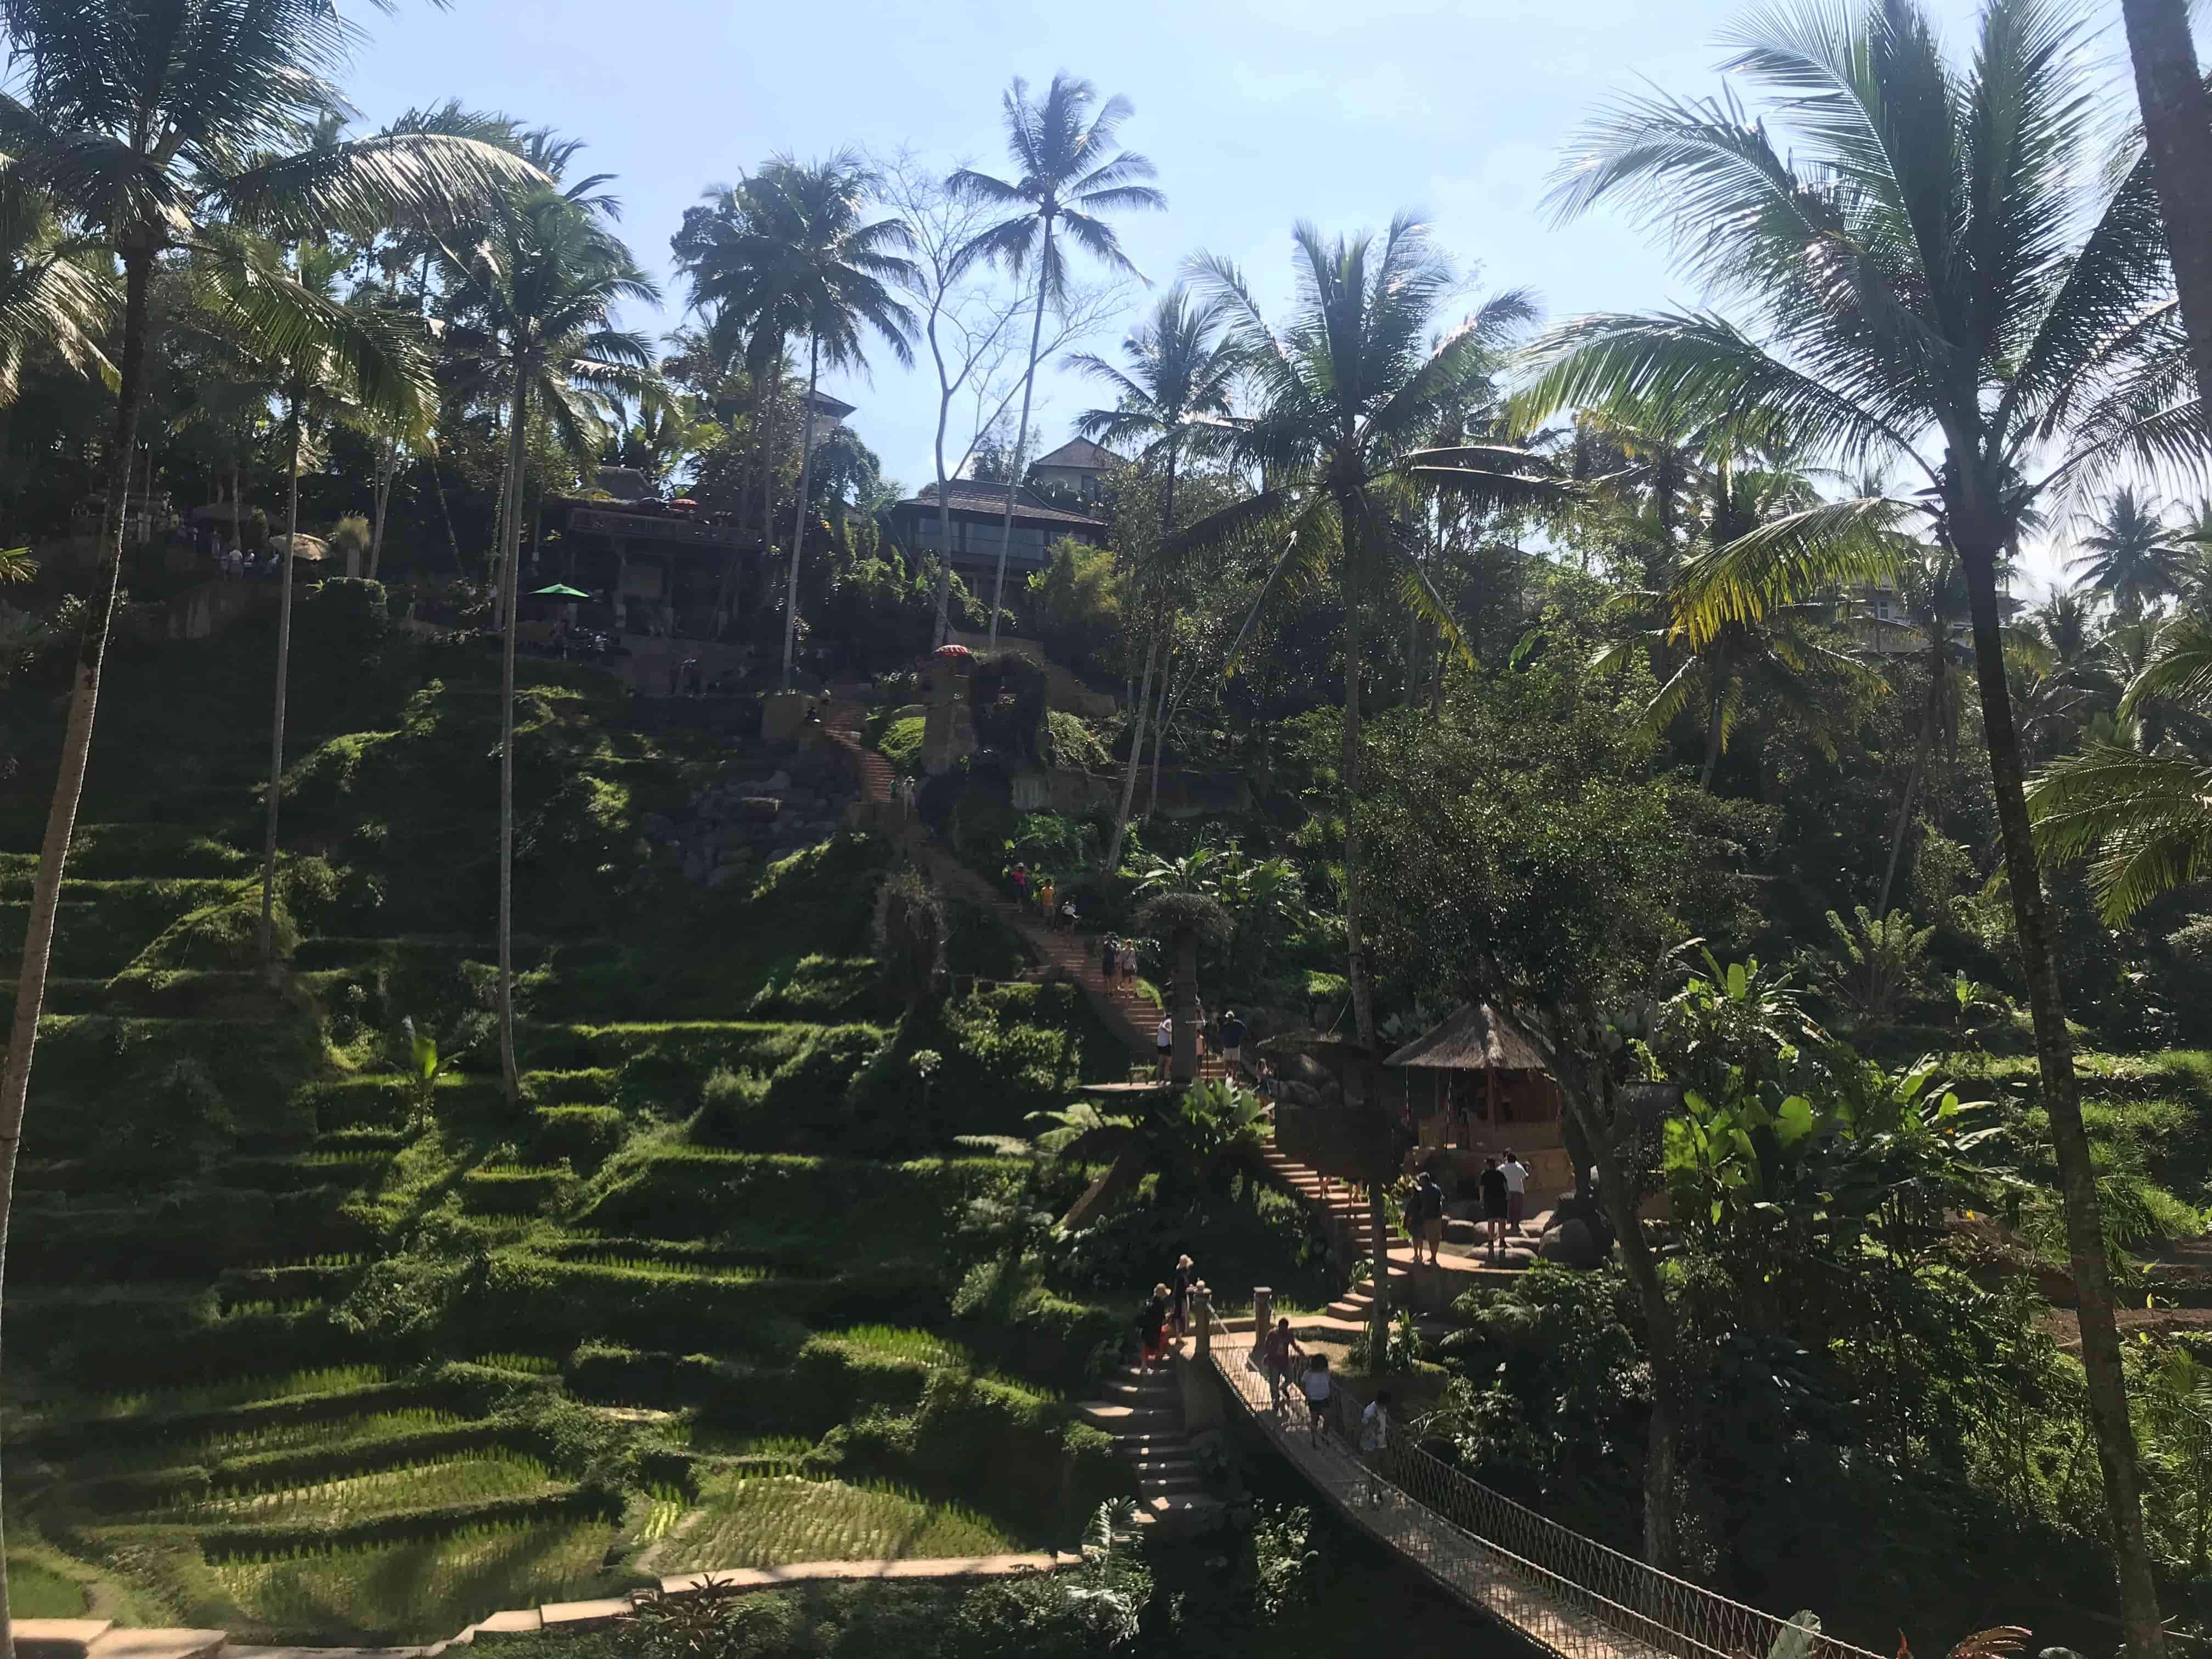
102	1638
1142	1409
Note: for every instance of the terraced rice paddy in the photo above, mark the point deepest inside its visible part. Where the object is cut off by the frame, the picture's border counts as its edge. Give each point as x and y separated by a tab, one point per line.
409	1484
217	1396
751	1520
421	1590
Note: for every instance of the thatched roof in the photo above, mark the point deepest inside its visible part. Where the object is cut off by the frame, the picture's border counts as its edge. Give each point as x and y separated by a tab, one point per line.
1472	1039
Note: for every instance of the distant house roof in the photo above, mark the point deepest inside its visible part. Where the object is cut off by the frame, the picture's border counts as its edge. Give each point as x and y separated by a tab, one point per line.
824	404
1473	1039
625	484
1078	455
969	495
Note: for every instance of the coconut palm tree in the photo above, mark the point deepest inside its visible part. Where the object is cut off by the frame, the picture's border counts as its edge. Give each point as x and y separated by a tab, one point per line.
2177	118
1069	175
1935	275
531	295
144	122
1167	403
1933	591
1352	392
341	363
2130	553
2140	815
810	261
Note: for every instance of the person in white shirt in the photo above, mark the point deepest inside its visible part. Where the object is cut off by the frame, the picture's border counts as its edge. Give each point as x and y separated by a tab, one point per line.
1517	1189
1163	1041
1375	1439
1318	1386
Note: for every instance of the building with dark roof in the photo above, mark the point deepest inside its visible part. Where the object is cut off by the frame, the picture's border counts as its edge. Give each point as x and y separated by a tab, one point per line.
978	512
1075	470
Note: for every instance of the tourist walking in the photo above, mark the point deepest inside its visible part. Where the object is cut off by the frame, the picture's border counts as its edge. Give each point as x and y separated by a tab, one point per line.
1184	1278
1493	1203
1517	1189
1374	1440
1232	1040
1067	916
1128	962
1164	1044
1153	1327
1318	1386
1109	959
1429	1199
1021	880
1275	1359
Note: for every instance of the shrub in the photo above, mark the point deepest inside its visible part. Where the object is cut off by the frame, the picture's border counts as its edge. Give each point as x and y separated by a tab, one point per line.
900	743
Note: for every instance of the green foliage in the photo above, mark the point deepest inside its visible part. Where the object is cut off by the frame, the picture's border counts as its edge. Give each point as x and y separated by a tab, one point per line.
900	743
1074	606
1878	965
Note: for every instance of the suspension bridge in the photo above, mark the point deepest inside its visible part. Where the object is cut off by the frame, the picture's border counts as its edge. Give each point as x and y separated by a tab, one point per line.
1565	1593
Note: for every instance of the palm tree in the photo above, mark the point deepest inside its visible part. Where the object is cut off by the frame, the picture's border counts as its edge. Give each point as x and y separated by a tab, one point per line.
2177	120
1169	402
531	295
1351	395
144	122
2143	818
1067	179
1776	659
822	268
1934	590
1909	256
2130	553
339	362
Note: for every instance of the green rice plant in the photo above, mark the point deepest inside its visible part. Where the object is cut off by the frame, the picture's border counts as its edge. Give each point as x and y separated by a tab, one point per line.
214	1396
665	1506
717	1439
760	1521
197	1444
657	1266
420	1591
265	1308
899	1342
410	1485
531	1364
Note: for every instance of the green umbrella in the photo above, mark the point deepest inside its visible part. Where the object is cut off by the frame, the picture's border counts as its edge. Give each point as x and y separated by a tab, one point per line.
558	591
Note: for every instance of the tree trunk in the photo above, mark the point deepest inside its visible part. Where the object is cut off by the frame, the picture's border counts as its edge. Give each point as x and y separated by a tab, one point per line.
510	561
1183	1066
276	717
1160	722
726	591
767	484
445	513
386	470
799	507
2178	133
1911	784
69	782
1136	758
2077	1177
1713	735
1021	442
943	630
1350	767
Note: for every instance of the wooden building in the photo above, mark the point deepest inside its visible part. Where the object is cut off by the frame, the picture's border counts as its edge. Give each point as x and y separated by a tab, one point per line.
1476	1088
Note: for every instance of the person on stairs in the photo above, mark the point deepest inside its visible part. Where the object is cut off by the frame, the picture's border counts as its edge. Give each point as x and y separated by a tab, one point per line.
1153	1327
1185	1277
1426	1204
1109	959
1164	1044
1232	1043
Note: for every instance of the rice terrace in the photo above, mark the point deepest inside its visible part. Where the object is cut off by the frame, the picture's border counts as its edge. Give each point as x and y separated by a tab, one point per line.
1251	828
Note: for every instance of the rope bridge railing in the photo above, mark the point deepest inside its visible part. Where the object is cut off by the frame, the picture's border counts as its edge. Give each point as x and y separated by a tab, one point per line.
1567	1592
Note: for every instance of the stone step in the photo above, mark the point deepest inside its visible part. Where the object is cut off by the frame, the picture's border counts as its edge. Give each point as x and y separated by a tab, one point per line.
1117	1419
1171	1482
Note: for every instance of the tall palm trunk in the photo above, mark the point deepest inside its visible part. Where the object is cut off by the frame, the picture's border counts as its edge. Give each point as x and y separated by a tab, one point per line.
2054	1053
1715	730
1160	721
1363	997
726	591
799	507
277	717
68	782
1912	783
767	484
510	560
1021	440
1136	755
944	631
387	467
2177	132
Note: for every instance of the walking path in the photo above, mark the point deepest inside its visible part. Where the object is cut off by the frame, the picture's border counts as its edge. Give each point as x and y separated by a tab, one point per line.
93	1639
1142	1409
1568	1595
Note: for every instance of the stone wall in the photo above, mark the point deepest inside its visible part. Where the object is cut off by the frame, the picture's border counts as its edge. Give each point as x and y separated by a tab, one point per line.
757	809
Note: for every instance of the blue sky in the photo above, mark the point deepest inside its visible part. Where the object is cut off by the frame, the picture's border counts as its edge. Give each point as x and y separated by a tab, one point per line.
1255	114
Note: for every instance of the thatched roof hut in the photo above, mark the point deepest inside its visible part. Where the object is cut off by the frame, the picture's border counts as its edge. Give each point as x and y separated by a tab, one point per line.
1475	1039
